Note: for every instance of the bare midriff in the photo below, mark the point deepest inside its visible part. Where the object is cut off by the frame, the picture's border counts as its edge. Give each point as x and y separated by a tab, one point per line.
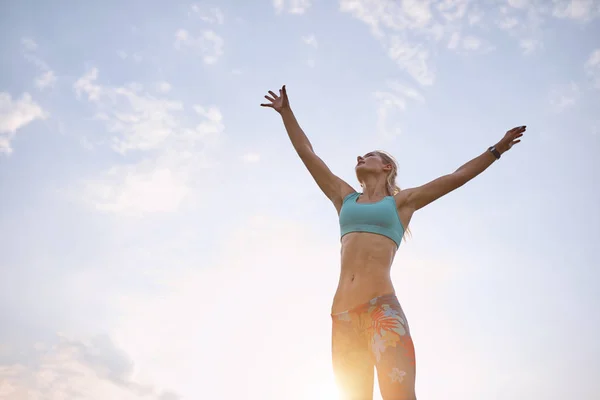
365	272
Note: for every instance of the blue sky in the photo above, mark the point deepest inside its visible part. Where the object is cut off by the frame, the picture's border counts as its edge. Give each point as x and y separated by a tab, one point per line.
161	240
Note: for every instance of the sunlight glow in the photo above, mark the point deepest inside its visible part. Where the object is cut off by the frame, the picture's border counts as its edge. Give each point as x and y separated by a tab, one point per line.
326	391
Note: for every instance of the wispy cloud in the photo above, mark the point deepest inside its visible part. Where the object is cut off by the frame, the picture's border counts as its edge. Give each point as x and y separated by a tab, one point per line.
390	102
592	68
562	97
136	56
529	45
93	370
47	79
209	43
468	43
310	40
172	150
579	10
408	30
163	87
292	6
523	19
29	44
14	115
211	15
86	85
413	58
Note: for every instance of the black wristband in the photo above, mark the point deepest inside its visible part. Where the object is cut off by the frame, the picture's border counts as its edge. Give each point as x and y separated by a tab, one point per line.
495	152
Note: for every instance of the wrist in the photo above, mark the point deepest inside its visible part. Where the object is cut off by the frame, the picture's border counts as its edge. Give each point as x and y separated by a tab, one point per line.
501	147
285	111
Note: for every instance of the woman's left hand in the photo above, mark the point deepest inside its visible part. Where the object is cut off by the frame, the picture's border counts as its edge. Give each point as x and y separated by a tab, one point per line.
510	139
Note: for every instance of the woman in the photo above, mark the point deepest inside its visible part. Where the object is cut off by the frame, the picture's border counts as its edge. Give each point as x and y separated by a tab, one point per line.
369	327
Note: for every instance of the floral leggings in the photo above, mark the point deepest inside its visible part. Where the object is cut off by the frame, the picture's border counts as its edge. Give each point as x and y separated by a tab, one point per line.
373	334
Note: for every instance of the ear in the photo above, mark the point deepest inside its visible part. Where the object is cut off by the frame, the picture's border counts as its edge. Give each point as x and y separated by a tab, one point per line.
387	167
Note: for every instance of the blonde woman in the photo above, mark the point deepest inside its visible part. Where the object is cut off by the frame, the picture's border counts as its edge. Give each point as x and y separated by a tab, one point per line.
369	328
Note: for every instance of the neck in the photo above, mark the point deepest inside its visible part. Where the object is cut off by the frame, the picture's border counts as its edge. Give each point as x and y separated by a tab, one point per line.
374	187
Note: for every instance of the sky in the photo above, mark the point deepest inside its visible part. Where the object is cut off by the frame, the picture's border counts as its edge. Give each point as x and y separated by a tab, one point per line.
162	241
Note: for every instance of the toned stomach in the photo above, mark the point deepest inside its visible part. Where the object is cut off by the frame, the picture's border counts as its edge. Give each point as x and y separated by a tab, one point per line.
365	270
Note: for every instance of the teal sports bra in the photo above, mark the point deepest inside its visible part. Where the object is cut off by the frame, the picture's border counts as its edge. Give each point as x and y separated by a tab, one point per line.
380	217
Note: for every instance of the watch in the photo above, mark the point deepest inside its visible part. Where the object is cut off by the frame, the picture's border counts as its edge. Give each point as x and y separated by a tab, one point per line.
495	152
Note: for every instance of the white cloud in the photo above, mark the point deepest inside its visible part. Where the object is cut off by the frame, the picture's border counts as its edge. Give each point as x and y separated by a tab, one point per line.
519	3
471	43
86	85
592	68
390	102
251	157
508	23
137	57
209	43
454	41
523	19
211	15
529	45
172	152
76	370
453	10
310	40
412	58
418	11
475	16
163	87
135	190
383	15
181	36
475	44
47	79
407	29
29	44
581	10
564	96
14	115
292	6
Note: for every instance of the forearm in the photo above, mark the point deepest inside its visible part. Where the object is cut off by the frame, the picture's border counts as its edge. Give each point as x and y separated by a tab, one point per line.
475	167
296	134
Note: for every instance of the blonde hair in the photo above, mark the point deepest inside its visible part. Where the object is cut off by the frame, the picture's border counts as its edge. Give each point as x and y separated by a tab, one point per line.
392	187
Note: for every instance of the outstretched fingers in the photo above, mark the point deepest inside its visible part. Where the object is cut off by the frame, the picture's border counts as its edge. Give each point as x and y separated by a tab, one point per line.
276	101
518	129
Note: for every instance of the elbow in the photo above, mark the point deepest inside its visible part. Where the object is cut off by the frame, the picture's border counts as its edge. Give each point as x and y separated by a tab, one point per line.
304	151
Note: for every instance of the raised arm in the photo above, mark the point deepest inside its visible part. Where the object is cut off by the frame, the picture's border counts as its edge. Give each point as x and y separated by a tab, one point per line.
332	186
419	197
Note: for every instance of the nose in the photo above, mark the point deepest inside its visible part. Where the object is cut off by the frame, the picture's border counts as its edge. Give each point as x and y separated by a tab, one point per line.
359	159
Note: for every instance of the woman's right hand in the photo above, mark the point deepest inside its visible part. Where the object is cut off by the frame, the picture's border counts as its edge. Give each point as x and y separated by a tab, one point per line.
278	103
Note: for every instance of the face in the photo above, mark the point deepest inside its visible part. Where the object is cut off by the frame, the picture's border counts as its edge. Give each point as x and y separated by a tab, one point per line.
371	163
